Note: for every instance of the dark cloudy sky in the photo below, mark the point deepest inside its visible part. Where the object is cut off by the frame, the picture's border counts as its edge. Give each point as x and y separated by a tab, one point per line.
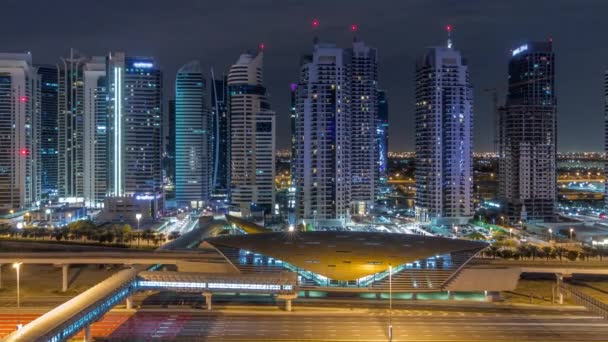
217	31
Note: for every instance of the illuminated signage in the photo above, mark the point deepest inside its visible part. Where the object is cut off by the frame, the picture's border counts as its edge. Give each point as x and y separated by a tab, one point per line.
520	49
143	65
146	197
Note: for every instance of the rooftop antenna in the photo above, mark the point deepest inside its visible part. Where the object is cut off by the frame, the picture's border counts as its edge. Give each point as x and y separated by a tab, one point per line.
315	25
353	29
449	29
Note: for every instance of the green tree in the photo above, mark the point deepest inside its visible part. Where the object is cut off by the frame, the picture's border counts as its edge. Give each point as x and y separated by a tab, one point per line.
560	252
548	251
572	255
534	251
475	236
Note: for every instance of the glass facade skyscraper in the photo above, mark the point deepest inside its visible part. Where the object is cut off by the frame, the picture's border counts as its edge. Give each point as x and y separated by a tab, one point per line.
528	135
221	138
48	128
382	136
193	138
134	129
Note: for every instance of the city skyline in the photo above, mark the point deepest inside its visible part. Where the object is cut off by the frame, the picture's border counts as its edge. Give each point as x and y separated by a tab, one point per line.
484	32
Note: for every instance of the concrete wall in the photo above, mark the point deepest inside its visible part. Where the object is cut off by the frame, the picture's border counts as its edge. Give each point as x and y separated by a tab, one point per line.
486	279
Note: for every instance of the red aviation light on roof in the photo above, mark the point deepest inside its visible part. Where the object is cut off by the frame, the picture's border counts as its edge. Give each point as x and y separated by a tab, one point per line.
262	46
23	152
354	27
23	99
448	27
315	23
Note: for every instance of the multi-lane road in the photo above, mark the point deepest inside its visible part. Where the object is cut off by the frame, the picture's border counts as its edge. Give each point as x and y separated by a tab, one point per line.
343	325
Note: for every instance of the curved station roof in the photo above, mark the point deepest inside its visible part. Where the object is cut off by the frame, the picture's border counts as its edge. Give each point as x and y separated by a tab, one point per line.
344	255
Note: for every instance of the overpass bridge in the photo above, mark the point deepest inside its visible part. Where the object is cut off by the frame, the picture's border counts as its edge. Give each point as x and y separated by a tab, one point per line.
77	314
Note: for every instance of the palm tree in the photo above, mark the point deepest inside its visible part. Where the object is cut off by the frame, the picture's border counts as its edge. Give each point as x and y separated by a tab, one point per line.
523	251
493	251
533	249
548	250
560	251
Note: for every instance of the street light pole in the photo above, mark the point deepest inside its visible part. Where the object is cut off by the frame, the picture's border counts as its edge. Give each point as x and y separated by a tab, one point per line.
571	231
138	217
390	303
17	266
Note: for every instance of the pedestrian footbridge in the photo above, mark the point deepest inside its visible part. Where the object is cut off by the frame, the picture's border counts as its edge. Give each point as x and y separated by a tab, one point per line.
66	320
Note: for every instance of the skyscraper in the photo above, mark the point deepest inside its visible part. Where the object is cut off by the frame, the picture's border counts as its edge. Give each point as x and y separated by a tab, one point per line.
364	116
193	134
221	137
323	132
336	162
293	115
444	137
19	134
382	136
95	137
252	137
169	152
528	134
71	126
606	137
48	128
134	134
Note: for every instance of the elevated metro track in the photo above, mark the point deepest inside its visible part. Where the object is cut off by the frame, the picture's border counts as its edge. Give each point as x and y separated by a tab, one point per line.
77	314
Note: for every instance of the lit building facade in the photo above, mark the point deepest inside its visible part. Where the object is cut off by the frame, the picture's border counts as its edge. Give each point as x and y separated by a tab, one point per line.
19	133
323	133
95	144
382	136
252	137
134	130
71	126
49	131
528	134
221	138
193	138
335	134
444	137
364	116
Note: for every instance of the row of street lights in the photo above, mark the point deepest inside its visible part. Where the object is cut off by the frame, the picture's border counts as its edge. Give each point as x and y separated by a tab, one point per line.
550	231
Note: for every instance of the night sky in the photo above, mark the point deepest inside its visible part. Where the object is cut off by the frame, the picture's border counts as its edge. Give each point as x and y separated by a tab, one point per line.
216	32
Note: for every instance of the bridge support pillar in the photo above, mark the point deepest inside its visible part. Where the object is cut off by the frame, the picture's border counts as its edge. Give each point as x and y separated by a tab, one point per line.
129	303
208	296
287	298
559	279
87	334
65	268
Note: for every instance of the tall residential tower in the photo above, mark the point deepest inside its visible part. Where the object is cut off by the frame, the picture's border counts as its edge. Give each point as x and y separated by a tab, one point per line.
444	137
19	95
527	135
335	133
252	137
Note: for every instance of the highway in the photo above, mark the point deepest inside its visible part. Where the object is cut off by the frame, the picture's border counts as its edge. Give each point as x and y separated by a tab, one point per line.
321	325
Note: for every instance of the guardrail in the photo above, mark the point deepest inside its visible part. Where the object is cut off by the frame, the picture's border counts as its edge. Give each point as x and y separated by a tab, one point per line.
592	304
